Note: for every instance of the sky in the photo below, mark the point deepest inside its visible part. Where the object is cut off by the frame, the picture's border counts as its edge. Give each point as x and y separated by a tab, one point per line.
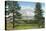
27	8
29	4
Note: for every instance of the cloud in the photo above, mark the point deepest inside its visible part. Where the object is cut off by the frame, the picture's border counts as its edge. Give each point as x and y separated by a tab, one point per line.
27	11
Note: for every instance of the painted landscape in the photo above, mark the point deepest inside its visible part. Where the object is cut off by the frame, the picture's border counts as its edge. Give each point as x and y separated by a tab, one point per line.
20	15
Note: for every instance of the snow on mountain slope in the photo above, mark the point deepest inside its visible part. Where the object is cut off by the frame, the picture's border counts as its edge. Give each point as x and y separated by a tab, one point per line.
27	13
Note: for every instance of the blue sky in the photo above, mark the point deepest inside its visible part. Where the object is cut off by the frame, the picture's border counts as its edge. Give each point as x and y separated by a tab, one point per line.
29	4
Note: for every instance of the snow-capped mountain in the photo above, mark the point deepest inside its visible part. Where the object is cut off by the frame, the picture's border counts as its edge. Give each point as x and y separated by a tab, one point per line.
27	13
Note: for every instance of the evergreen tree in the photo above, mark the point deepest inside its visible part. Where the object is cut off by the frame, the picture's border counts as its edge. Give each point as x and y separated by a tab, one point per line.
39	14
13	8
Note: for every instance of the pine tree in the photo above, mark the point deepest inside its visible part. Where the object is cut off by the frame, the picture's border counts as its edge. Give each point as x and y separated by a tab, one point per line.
13	8
39	19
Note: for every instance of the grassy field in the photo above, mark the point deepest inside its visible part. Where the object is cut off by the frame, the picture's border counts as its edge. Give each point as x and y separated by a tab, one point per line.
22	26
26	26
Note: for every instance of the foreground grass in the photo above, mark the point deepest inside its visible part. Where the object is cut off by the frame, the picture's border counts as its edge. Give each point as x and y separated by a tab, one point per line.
22	26
27	26
9	26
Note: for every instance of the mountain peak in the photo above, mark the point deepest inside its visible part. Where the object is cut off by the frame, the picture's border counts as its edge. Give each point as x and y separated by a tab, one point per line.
27	12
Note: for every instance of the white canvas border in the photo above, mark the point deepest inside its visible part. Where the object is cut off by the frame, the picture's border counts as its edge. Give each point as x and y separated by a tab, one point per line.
2	15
